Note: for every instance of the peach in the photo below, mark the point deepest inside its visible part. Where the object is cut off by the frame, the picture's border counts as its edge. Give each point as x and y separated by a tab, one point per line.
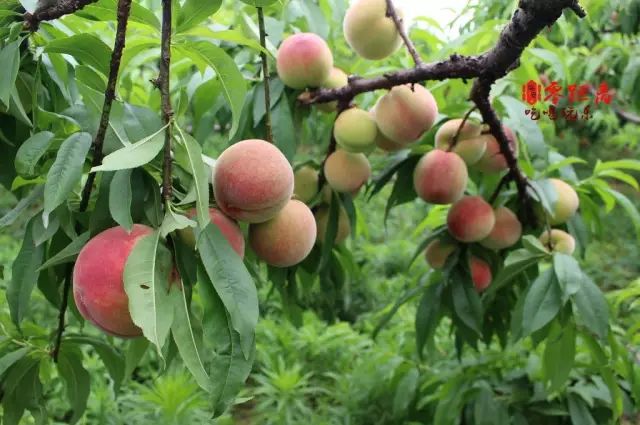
558	241
286	239
252	181
305	183
347	172
566	204
304	60
506	232
355	131
322	221
470	145
440	177
369	31
437	253
227	226
480	273
382	141
471	219
98	283
405	113
493	161
337	78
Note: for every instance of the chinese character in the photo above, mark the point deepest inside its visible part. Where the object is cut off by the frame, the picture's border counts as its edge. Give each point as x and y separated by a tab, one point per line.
586	114
531	92
553	92
535	114
552	113
570	114
578	93
603	94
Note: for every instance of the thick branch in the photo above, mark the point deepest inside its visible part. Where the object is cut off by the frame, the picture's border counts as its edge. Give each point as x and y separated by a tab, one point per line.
265	75
397	20
124	8
165	94
58	10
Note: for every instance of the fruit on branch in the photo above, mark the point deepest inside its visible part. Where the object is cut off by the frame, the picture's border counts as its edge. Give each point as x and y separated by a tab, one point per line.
493	161
355	131
304	60
98	283
558	240
386	144
480	273
305	183
227	226
470	145
506	232
347	172
440	177
369	31
286	239
566	204
322	221
437	253
252	181
471	219
337	78
405	113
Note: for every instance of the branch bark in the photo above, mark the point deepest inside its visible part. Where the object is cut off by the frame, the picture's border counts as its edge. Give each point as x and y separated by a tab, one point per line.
62	7
398	21
124	9
265	75
164	84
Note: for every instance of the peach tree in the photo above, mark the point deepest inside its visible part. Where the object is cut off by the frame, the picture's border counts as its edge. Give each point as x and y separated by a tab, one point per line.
171	157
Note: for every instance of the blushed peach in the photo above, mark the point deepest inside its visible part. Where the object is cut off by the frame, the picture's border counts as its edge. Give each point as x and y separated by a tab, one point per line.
558	241
304	60
506	232
305	186
355	131
438	252
322	221
440	177
369	31
347	172
493	161
337	78
470	146
471	219
566	203
480	273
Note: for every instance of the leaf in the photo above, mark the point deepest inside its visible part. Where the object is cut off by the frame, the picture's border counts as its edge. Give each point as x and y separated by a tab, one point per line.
10	60
591	308
106	10
192	153
559	355
232	282
187	343
230	365
284	136
77	381
194	12
405	392
135	353
516	263
624	164
234	86
579	411
622	176
466	303
427	316
259	3
30	153
134	155
24	275
85	48
173	222
9	359
26	202
120	198
629	208
405	298
332	230
568	273
542	303
147	275
66	171
111	357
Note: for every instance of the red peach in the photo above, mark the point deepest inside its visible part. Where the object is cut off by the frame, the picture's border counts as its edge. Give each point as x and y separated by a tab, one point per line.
471	219
440	177
227	226
304	60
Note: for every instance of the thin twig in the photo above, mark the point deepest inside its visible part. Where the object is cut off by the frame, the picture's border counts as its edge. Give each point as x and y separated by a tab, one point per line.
124	8
59	9
398	21
265	75
165	94
456	136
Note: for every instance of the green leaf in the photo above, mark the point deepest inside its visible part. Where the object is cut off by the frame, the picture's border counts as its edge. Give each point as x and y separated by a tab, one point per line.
284	136
622	176
466	302
205	54
194	12
405	392
173	222
621	164
516	263
231	364
77	380
188	343
85	48
9	218
428	316
629	208
543	302
106	10
147	275
9	359
568	273
30	153
192	153
111	357
579	411
134	155
10	60
332	230
559	355
405	298
591	308
120	198
232	282
66	171
24	275
134	354
259	3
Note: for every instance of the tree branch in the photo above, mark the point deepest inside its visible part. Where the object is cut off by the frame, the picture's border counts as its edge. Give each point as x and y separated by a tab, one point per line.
265	74
62	7
124	9
398	21
165	94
